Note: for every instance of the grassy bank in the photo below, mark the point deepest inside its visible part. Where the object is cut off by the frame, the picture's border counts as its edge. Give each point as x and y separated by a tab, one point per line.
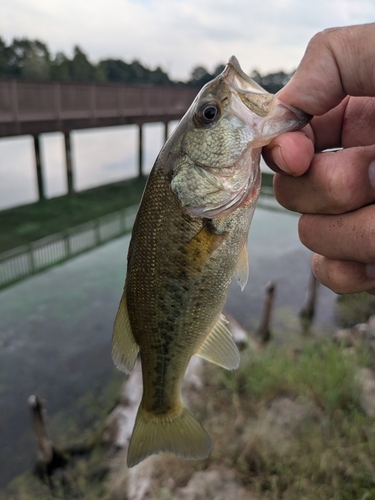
27	223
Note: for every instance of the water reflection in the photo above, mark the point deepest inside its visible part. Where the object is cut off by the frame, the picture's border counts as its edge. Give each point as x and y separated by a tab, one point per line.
56	327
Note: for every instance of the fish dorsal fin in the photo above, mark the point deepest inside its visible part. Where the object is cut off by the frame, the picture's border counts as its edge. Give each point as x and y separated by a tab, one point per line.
124	347
242	272
219	346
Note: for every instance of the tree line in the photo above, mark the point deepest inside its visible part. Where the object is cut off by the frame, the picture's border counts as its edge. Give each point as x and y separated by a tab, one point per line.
32	59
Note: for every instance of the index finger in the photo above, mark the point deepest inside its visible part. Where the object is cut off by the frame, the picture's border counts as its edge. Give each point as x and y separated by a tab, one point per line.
337	62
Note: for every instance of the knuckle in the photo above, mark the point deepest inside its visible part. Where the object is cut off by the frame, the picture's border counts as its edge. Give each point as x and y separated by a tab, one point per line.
337	279
323	38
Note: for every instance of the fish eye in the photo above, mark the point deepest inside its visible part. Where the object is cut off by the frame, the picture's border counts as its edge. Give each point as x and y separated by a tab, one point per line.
207	113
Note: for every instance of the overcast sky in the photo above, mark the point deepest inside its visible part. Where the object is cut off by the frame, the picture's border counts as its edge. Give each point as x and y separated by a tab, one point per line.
267	35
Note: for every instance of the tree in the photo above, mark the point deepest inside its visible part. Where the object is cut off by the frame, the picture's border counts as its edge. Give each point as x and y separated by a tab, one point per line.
272	82
29	59
5	69
80	67
60	67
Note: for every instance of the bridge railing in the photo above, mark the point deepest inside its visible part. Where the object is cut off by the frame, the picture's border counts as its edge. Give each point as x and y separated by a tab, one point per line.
57	102
30	259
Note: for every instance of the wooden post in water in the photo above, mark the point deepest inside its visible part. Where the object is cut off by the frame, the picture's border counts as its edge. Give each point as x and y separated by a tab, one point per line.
49	458
264	331
140	150
68	159
308	310
44	444
38	164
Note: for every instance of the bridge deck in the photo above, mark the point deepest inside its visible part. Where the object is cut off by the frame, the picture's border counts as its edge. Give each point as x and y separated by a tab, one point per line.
28	107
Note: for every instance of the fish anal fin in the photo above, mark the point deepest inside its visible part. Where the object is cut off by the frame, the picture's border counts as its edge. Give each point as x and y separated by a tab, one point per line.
178	432
124	347
242	272
219	346
200	248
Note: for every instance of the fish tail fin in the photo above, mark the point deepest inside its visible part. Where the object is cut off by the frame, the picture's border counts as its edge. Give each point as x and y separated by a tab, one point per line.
178	432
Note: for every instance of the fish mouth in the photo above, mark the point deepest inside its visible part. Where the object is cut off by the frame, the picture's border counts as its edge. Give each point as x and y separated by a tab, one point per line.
255	98
258	100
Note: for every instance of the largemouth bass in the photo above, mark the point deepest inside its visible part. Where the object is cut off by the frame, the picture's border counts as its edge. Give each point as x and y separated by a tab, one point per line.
189	241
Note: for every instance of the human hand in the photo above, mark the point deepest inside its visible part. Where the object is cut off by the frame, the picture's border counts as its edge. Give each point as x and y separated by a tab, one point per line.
335	191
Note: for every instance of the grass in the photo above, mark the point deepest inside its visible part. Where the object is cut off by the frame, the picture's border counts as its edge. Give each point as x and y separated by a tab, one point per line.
27	223
329	456
354	308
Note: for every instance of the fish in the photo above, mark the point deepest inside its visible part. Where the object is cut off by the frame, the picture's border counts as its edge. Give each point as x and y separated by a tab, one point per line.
189	241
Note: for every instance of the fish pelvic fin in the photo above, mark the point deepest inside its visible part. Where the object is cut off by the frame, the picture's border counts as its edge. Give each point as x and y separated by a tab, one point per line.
124	346
178	432
219	346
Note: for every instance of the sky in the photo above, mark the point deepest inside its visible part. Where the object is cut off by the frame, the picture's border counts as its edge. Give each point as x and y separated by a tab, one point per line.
178	35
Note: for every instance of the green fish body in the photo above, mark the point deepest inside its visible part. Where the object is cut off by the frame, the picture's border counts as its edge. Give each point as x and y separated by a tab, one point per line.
189	241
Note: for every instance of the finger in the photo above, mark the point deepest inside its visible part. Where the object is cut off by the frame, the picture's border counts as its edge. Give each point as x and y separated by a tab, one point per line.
350	124
350	236
342	276
291	152
358	127
337	62
336	182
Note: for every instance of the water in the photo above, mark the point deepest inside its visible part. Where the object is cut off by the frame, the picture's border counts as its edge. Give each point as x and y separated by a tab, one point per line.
100	156
56	327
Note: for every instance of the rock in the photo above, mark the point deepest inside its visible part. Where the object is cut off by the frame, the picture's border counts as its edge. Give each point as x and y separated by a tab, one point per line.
343	336
213	485
371	328
193	374
352	337
120	422
142	485
366	379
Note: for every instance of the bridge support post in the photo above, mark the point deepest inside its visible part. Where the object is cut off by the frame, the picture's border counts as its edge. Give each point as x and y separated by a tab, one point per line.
140	150
165	131
68	159
38	164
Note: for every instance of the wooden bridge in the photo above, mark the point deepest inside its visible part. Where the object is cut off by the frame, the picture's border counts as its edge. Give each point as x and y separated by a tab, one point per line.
40	107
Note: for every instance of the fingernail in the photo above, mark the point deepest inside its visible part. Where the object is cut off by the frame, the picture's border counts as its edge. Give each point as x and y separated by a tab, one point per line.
370	270
371	173
280	162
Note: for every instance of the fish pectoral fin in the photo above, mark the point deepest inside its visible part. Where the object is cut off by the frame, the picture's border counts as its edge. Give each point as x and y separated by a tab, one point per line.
200	248
124	347
242	272
219	346
178	432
